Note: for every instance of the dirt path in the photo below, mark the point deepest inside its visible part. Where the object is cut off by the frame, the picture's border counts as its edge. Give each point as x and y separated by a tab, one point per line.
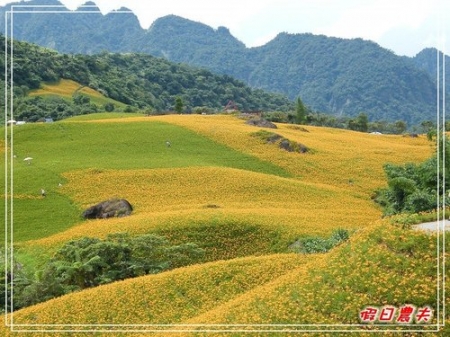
434	226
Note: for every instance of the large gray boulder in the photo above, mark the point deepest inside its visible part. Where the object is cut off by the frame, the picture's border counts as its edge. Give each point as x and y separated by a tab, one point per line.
260	122
108	209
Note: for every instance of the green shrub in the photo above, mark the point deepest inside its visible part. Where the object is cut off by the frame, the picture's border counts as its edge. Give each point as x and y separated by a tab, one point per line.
339	235
315	245
89	262
420	201
413	188
312	245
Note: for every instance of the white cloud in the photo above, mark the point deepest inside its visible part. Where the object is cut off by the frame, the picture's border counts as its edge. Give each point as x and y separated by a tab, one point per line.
372	19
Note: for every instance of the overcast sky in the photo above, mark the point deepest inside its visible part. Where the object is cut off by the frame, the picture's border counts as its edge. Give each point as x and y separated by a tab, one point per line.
404	26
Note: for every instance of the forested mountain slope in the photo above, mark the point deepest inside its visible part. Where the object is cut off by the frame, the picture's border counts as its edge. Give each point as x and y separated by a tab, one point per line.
139	80
427	59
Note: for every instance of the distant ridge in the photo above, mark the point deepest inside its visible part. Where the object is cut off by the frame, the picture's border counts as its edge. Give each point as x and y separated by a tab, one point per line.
332	75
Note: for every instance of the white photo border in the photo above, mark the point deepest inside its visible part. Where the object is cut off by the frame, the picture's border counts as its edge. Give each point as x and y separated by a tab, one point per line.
177	328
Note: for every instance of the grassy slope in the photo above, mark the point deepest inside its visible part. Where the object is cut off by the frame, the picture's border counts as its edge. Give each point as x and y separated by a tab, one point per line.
60	147
67	88
382	265
240	197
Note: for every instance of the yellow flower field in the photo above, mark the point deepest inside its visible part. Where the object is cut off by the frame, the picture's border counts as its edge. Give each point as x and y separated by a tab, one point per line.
340	156
67	88
379	266
161	299
330	188
64	88
170	198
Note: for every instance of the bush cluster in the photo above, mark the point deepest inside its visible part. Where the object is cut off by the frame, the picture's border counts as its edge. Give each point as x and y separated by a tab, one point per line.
314	244
90	262
414	188
35	109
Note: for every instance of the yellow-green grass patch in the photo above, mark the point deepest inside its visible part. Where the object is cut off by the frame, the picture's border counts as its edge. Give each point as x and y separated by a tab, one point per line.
340	157
60	147
67	88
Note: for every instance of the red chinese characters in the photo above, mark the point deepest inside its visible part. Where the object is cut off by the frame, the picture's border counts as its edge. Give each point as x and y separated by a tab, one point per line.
424	315
387	314
369	314
406	314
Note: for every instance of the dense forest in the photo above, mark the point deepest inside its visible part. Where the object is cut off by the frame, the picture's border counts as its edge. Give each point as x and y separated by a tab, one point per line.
140	81
340	77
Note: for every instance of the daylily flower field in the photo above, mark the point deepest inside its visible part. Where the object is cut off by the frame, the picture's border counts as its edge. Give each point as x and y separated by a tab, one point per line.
246	203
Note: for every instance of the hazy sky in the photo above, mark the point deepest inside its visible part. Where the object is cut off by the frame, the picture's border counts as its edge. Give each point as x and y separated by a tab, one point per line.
404	26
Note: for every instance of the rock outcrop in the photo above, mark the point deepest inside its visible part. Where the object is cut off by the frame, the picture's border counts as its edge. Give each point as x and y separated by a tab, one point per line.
108	209
262	123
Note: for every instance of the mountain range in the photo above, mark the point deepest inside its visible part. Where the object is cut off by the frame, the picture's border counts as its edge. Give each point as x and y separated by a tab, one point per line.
343	77
52	84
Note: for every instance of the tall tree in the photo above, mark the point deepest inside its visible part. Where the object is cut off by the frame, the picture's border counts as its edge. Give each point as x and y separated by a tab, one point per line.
179	104
301	111
400	126
363	122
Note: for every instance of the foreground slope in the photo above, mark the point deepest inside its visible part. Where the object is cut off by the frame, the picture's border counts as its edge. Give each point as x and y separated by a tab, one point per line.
381	265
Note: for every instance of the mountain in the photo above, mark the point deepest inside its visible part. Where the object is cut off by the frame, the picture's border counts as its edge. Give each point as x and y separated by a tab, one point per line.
139	80
190	42
338	76
84	32
342	77
427	60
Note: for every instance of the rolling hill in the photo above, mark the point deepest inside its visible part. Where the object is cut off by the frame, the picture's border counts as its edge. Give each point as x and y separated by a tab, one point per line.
241	199
335	76
267	295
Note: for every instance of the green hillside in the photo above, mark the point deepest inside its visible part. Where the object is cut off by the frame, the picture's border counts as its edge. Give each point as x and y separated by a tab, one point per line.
57	148
122	82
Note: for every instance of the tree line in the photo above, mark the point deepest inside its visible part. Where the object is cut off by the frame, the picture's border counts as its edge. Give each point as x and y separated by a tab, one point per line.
303	114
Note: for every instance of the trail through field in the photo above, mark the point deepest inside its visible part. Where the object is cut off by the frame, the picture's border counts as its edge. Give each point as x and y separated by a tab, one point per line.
434	226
